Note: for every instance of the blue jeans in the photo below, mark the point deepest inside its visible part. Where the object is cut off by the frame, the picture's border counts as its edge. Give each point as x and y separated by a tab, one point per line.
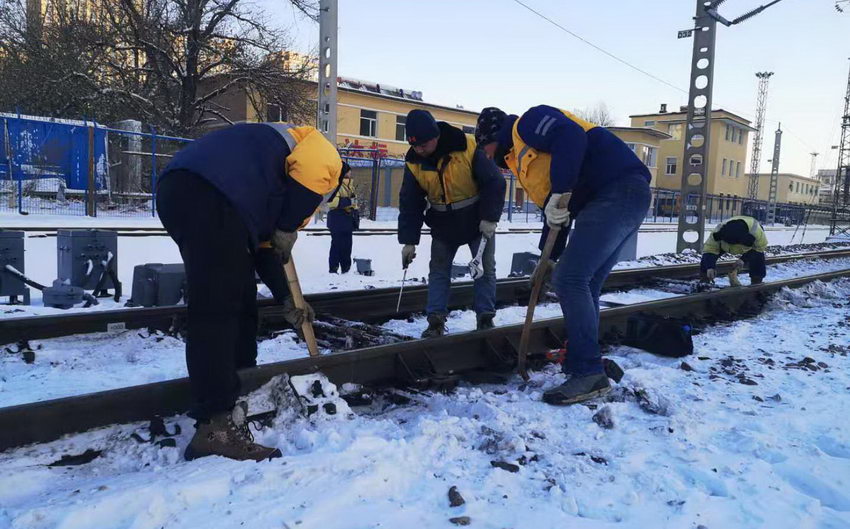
600	231
439	278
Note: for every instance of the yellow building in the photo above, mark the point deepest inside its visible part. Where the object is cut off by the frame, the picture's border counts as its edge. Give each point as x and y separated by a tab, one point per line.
727	150
791	188
646	143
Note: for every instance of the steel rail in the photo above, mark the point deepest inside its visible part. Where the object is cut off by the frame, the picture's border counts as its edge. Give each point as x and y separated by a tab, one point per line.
408	363
374	305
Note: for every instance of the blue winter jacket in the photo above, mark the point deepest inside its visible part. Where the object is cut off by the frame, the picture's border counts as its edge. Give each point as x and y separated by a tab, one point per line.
247	164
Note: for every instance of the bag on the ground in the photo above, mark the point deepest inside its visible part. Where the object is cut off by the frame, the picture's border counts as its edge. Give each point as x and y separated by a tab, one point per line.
670	337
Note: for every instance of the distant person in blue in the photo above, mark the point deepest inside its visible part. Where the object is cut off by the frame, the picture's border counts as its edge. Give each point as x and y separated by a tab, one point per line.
233	202
556	154
343	219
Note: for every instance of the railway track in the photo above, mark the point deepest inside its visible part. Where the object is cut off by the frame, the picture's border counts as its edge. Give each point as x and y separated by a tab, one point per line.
413	363
371	306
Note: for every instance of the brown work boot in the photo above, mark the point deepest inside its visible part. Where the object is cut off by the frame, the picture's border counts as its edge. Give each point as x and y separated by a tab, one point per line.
227	434
436	326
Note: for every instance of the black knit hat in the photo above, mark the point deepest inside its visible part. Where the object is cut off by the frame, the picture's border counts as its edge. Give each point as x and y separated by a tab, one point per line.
489	123
735	232
421	127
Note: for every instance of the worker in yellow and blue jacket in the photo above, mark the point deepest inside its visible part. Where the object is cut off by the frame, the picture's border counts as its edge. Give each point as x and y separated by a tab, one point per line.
221	199
343	219
450	185
556	154
742	236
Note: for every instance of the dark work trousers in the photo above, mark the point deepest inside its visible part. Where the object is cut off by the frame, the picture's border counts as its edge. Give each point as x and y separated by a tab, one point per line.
222	293
340	254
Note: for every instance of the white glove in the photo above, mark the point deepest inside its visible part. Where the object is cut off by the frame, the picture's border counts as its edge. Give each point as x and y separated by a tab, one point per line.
555	215
408	253
739	264
487	228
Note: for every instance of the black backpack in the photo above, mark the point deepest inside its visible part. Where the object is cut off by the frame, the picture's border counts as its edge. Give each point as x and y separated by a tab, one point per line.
659	335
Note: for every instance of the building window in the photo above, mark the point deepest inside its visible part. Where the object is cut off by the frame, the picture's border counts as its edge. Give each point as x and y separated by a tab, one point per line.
468	130
728	132
675	130
400	128
737	169
671	165
723	170
275	113
368	123
740	136
791	186
649	123
650	156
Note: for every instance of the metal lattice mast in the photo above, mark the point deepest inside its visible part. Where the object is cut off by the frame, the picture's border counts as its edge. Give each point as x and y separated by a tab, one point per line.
755	161
841	187
695	159
326	108
774	178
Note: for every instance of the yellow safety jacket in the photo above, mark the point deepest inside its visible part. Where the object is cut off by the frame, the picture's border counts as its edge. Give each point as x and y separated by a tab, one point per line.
346	191
719	247
452	182
531	166
313	161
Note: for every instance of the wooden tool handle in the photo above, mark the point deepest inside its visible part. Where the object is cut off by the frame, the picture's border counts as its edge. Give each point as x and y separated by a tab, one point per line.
298	299
537	285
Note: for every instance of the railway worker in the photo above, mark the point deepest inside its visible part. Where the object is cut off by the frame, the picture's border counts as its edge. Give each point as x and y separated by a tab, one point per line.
219	199
556	154
451	186
343	219
742	236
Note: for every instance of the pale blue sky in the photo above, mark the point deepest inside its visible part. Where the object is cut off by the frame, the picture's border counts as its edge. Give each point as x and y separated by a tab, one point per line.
481	53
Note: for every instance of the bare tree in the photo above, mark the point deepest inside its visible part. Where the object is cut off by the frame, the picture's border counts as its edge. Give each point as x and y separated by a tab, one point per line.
599	115
174	64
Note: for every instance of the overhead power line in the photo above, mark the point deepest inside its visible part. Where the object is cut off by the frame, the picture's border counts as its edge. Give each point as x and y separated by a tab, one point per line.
600	49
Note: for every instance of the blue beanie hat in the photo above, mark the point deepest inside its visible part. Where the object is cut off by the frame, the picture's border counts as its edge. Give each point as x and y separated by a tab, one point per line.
421	127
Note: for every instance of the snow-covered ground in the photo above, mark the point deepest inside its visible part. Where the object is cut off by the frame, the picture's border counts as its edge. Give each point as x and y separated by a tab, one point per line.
75	365
311	255
750	436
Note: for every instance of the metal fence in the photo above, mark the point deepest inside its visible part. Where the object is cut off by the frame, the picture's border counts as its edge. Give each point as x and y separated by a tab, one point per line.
68	167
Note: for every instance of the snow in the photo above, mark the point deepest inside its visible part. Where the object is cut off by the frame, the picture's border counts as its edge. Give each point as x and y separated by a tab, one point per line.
715	453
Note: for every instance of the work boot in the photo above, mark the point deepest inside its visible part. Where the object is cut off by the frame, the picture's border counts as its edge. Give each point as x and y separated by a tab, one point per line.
436	326
756	280
227	434
484	321
578	389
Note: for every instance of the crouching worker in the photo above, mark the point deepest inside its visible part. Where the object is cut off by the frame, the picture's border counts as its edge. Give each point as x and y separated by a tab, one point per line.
457	191
742	236
560	157
343	219
219	199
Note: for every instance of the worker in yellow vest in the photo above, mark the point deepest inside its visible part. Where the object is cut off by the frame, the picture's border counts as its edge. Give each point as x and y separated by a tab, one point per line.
220	199
556	155
453	187
343	219
742	236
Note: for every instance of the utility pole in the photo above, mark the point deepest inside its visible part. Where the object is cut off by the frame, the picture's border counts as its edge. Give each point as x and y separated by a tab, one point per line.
326	108
774	177
813	168
841	188
695	159
755	161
